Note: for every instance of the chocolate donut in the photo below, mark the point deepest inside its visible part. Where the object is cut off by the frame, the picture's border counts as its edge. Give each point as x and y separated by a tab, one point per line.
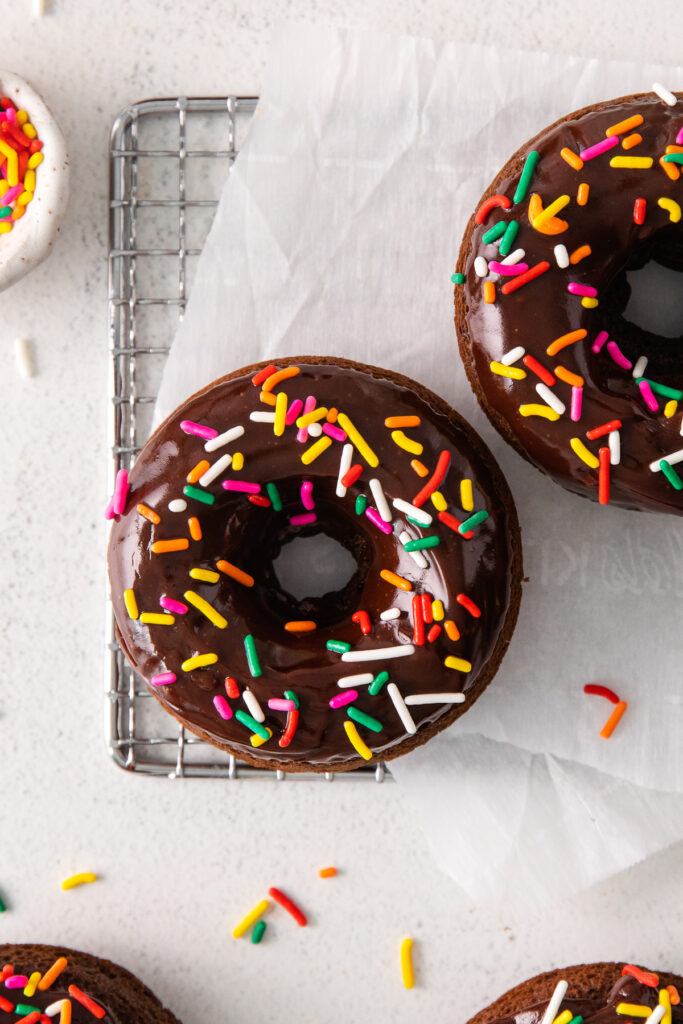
37	979
594	992
382	466
588	397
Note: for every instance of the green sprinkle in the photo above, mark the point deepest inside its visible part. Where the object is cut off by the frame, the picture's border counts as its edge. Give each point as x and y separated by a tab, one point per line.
194	492
26	1008
458	278
290	695
493	233
5	211
3	908
367	720
338	646
662	389
505	247
415	522
526	176
361	504
673	158
422	543
377	683
473	521
671	474
274	495
252	656
257	934
252	724
576	1020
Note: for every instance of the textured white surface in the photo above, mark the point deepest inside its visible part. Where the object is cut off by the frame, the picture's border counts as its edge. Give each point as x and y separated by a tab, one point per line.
182	861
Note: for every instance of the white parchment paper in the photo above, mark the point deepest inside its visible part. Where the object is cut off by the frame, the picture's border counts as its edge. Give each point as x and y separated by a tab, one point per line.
337	233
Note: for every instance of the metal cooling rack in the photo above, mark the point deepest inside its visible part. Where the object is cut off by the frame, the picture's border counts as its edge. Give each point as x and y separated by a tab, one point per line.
166	156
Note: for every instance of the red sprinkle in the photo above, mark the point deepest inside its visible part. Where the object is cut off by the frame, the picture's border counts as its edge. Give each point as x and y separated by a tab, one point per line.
433	632
644	977
469	604
292	722
288	905
453	524
259	499
605	428
84	1000
639	208
435	479
351	475
518	282
596	690
6	1005
363	620
8	969
418	621
263	374
603	476
427	608
490	204
231	687
540	371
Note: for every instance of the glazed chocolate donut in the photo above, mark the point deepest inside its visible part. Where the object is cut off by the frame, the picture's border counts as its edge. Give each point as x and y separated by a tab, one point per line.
594	992
382	466
36	980
540	293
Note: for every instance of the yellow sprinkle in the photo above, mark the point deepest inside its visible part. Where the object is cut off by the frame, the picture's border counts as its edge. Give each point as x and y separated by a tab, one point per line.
514	372
30	131
258	741
588	302
30	181
12	169
539	410
579	448
312	417
489	292
466	495
459	664
58	966
670	408
408	445
130	603
5	226
238	461
199	661
25	198
4	185
438	501
30	989
84	878
407	963
251	917
438	611
564	1017
665	1001
22	117
205	575
157	619
633	1010
280	413
550	211
358	440
206	609
316	449
356	742
631	162
35	160
419	467
672	207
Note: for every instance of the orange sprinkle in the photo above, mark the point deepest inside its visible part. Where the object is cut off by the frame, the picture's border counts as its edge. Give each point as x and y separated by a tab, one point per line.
569	378
613	720
673	995
573	159
52	974
452	631
582	193
395	422
149	513
671	169
198	471
301	626
489	291
267	398
331	872
65	1012
419	467
161	547
632	140
195	528
332	415
580	254
398	581
625	126
277	378
236	574
564	340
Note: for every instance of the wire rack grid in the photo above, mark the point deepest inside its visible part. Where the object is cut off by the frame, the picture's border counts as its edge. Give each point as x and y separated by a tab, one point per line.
166	156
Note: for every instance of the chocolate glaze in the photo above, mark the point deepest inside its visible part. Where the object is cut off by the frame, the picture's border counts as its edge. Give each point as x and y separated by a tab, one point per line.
486	568
543	310
42	1000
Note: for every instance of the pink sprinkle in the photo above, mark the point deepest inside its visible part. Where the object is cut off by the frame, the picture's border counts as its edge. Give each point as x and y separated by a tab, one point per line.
118	500
679	137
16	981
376	519
11	194
599	147
222	707
336	432
344	698
600	341
163	679
11	115
304	520
582	289
577	402
508	269
196	428
109	510
307	495
302	432
293	412
173	606
281	704
619	357
241	485
647	393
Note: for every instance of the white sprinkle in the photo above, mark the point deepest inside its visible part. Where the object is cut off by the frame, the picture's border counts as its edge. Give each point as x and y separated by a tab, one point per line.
400	705
389	614
362	679
561	256
177	505
315	429
378	653
38	8
54	1008
555	1002
436	698
614	442
657	1014
257	417
418	514
682	426
235	432
551	398
664	94
481	267
253	706
513	356
344	467
215	470
416	556
23	355
381	502
640	366
671	459
515	257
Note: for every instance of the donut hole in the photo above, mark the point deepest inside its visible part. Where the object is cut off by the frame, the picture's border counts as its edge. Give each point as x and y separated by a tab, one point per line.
656	301
312	567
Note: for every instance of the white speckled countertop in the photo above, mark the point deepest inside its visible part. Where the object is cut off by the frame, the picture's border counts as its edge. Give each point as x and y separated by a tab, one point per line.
181	861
